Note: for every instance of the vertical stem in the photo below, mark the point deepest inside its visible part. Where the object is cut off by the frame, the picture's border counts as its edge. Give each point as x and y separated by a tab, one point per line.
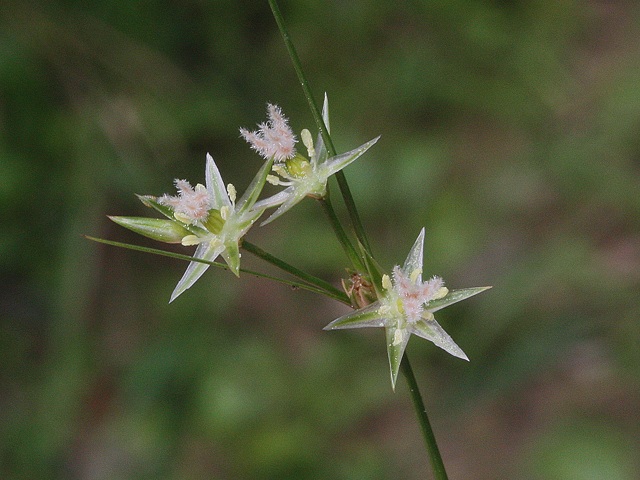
325	203
437	464
315	111
351	209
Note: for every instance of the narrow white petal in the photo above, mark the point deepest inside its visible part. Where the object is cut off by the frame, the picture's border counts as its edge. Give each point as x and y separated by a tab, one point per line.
431	330
215	185
337	163
195	270
415	258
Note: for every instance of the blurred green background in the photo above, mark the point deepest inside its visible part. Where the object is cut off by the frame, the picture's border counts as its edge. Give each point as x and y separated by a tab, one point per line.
510	130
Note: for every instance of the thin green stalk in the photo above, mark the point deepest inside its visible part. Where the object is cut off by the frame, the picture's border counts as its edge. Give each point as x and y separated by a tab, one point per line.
315	111
437	464
314	287
325	203
321	284
352	210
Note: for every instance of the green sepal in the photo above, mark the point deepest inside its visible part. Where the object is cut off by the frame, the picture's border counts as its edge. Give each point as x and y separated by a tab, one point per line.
204	251
320	147
254	189
452	297
218	194
167	211
168	231
231	255
337	163
432	331
395	350
368	316
151	201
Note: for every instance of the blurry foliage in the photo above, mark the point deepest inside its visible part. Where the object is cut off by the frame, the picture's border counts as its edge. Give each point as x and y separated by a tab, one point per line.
510	130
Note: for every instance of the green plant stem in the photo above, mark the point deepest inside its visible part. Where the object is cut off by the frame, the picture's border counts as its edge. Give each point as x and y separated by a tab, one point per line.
355	259
356	223
437	464
321	284
315	111
332	292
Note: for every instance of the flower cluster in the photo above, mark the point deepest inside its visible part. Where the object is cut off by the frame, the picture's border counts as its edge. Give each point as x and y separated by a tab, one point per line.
208	217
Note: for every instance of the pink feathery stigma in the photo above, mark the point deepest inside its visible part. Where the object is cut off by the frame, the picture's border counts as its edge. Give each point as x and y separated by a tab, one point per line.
190	202
415	295
273	138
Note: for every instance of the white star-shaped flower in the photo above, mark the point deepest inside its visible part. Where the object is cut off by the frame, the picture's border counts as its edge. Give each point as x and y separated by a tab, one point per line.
302	177
206	216
405	306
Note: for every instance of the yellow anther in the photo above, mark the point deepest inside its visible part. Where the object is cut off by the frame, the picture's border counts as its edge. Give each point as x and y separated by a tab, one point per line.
441	293
273	180
181	217
224	212
398	335
190	240
307	140
414	275
386	282
427	315
231	191
280	170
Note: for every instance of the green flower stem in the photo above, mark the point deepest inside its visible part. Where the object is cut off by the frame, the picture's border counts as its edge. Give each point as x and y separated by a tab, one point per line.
439	472
333	292
326	287
351	209
315	111
355	259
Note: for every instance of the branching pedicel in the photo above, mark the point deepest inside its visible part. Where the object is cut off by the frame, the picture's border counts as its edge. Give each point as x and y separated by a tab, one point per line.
209	218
